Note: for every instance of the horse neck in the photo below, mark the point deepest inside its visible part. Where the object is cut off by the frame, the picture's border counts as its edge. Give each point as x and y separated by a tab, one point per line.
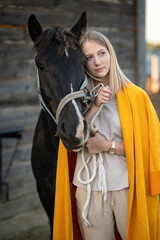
49	126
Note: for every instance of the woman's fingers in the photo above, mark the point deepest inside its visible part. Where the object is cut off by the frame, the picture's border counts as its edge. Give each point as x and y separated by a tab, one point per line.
103	96
95	144
106	90
106	96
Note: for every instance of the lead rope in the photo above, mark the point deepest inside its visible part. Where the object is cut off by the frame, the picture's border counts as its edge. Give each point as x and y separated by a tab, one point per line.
97	161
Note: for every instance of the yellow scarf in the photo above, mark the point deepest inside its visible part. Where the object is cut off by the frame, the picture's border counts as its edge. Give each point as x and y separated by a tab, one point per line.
141	134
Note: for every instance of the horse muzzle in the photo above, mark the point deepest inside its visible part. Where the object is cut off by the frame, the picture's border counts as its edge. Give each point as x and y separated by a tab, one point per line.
73	135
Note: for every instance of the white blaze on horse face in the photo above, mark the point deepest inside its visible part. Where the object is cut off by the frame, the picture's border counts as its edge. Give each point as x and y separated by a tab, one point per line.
80	127
66	52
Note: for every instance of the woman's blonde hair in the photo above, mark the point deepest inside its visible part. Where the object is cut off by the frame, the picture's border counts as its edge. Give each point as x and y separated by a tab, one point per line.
116	76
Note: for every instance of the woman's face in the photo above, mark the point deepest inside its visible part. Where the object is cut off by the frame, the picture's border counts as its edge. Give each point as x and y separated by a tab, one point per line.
98	59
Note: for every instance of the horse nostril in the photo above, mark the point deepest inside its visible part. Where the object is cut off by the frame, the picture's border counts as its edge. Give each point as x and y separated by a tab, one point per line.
64	130
71	132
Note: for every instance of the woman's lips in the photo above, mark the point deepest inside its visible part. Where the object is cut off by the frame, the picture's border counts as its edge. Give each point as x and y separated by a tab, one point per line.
99	69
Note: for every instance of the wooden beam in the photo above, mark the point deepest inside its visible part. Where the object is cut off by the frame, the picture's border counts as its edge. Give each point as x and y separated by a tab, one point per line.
140	43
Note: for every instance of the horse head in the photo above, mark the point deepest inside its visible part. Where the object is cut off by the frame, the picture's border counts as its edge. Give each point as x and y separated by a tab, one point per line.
60	63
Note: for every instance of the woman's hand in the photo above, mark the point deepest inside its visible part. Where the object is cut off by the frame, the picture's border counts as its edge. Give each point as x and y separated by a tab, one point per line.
103	96
96	144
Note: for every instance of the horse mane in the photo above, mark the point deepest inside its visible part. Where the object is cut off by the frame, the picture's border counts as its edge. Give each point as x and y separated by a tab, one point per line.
57	34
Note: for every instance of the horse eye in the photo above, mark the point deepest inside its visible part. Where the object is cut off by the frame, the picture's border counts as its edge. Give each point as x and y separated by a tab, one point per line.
40	66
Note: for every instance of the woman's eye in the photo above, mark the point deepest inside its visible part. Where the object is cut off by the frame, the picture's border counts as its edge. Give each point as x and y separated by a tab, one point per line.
40	66
102	53
89	58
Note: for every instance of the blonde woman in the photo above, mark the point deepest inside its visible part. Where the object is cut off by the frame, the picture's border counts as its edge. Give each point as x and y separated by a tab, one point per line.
117	171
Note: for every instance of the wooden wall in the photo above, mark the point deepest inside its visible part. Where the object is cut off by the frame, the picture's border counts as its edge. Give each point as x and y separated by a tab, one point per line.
18	97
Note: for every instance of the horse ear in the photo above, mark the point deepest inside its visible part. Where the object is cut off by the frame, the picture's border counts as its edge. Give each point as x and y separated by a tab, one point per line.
34	27
80	26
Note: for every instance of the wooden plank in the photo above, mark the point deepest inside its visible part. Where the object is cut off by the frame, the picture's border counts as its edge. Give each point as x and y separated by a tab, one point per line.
119	6
140	43
23	154
122	51
13	87
17	171
11	33
19	116
25	225
124	6
17	69
21	205
19	91
22	121
19	110
21	187
27	137
16	50
126	63
116	35
34	3
111	20
17	16
20	99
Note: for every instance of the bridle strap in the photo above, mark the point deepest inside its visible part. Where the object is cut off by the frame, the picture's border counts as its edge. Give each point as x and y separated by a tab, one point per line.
70	97
64	101
45	108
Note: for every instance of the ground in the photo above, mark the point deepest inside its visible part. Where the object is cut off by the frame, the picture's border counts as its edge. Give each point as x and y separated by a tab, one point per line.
39	233
30	225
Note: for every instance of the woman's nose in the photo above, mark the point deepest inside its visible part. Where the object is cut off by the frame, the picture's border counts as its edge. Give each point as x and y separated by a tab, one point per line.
97	60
